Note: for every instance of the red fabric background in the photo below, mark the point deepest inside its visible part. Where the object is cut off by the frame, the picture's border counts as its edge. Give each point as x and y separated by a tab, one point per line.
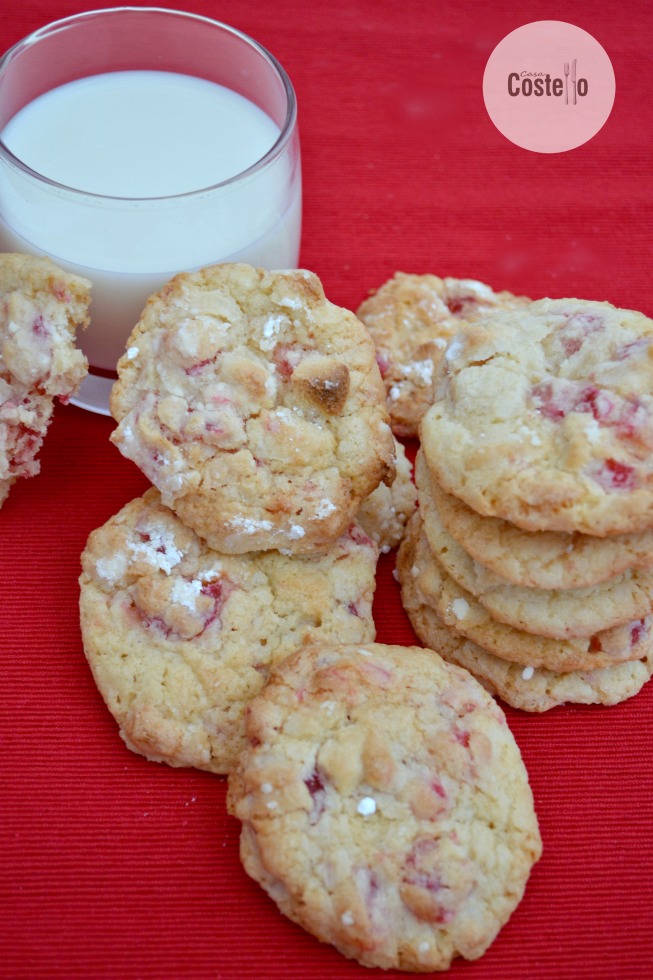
111	866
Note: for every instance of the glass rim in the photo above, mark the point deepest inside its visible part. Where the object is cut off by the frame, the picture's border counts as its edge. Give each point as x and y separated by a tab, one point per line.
277	148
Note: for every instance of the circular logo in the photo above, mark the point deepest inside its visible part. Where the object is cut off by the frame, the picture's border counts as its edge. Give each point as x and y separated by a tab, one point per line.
549	86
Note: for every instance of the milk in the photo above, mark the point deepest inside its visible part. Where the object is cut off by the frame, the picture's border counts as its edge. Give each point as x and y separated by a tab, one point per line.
140	134
147	149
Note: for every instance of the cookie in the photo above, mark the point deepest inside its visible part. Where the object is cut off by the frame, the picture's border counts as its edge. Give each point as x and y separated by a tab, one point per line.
41	307
255	407
538	559
528	688
546	413
385	804
547	612
463	613
384	514
411	320
179	638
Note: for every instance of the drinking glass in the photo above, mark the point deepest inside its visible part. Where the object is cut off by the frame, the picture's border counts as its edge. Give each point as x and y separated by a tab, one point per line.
130	246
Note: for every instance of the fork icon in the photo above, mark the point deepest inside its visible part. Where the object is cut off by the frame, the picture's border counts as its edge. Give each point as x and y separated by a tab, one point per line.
566	83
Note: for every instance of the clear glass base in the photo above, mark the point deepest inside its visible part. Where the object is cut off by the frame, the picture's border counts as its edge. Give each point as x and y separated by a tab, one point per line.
93	394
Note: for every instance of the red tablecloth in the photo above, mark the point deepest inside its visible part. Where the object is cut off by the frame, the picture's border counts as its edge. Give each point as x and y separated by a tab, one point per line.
112	866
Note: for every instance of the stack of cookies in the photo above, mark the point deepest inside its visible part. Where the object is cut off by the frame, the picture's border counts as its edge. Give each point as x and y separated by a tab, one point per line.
256	409
531	559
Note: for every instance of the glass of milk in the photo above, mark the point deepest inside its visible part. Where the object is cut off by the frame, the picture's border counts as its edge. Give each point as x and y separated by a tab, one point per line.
138	142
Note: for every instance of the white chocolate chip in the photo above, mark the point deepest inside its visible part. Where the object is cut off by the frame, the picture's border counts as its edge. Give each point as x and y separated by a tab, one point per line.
460	608
271	329
479	289
455	348
158	550
290	302
211	574
113	568
186	593
423	370
324	508
592	430
249	526
367	806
